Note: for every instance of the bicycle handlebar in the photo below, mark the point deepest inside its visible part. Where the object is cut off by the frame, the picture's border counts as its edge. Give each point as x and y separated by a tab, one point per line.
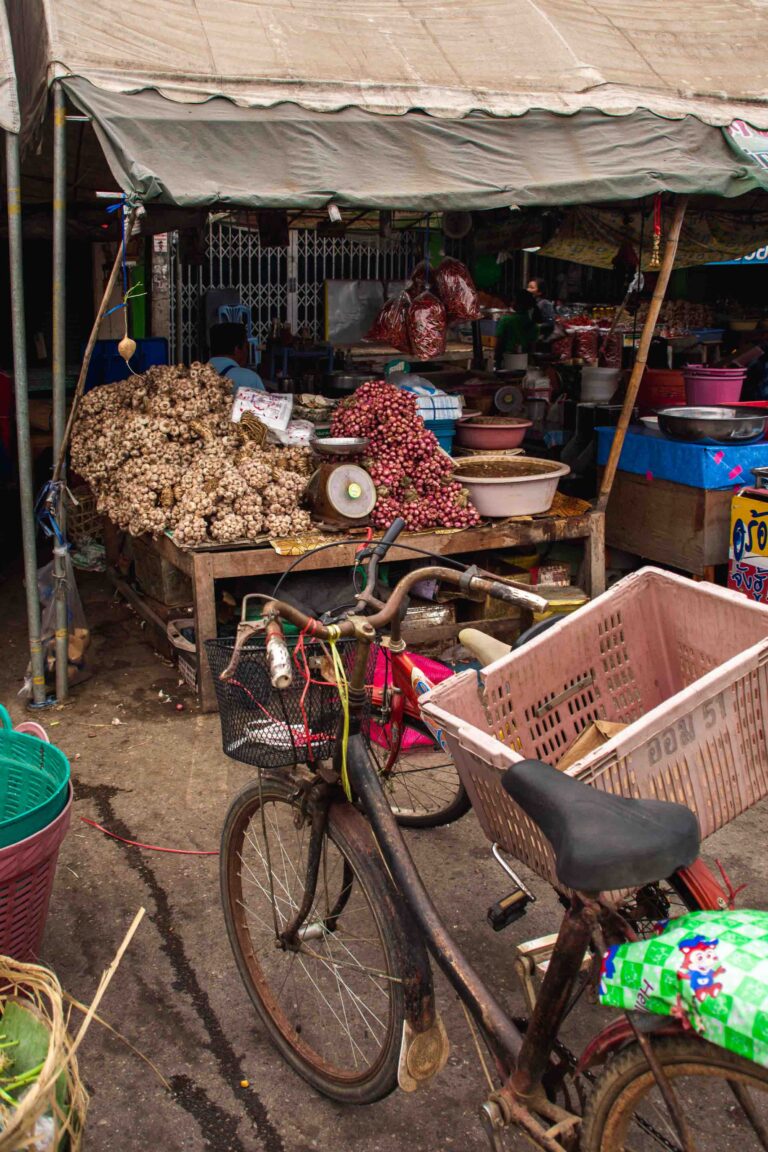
365	627
389	537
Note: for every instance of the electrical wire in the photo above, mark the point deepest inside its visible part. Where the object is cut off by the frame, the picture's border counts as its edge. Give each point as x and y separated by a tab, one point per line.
149	847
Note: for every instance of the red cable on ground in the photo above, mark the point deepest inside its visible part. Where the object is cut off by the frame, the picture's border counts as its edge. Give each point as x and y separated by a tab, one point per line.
149	847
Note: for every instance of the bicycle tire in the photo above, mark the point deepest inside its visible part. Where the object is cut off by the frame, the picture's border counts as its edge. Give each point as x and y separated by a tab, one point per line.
614	1107
299	996
423	785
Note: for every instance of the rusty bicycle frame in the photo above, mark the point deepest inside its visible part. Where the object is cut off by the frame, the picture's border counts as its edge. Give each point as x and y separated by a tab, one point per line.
521	1058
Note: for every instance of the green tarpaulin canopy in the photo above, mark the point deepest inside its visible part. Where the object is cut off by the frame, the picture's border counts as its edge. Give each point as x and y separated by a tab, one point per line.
287	156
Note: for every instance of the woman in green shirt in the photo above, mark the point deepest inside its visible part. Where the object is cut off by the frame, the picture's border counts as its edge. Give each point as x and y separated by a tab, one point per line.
518	331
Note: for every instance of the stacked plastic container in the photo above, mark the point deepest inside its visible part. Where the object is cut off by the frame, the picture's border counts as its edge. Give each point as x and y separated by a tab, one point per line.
705	386
438	410
35	809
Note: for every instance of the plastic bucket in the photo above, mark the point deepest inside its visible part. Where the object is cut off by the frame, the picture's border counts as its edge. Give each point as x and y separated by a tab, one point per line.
514	361
598	384
660	388
27	870
702	390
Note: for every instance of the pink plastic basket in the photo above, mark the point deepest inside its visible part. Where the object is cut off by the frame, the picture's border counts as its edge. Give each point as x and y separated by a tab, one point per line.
682	664
27	870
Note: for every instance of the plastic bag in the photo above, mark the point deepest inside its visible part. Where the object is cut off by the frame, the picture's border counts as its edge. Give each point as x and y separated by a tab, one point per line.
422	280
585	344
708	968
391	324
426	327
611	349
79	635
457	291
562	346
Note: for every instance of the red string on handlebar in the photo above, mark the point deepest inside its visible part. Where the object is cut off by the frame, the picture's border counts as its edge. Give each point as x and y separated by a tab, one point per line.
298	651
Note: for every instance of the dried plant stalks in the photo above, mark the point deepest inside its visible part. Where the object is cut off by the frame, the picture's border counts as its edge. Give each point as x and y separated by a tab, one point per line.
38	990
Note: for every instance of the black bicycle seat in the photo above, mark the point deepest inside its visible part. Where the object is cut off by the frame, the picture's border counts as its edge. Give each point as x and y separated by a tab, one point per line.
602	841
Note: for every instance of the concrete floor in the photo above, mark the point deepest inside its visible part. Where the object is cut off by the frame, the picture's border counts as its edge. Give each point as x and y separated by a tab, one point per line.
158	776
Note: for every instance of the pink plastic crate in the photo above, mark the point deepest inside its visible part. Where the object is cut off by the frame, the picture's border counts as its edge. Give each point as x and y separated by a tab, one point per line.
682	664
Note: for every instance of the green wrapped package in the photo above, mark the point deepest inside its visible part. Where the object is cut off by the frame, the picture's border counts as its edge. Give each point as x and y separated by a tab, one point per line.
710	968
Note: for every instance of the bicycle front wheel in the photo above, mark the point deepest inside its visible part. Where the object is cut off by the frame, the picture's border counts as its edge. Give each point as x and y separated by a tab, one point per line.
335	1006
420	780
723	1098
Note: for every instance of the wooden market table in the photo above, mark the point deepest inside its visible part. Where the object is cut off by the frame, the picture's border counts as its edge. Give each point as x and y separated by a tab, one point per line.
204	566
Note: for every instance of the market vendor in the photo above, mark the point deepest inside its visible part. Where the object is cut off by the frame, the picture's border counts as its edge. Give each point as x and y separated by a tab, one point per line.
545	309
229	356
517	331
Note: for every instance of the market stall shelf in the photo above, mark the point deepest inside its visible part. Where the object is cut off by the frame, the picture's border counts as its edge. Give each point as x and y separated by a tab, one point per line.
205	566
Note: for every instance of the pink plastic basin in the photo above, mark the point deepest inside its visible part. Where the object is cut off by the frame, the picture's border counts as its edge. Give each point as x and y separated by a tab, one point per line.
490	432
510	485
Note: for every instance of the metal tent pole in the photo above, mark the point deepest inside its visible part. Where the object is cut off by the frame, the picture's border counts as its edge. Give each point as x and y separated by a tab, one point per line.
59	372
13	171
179	305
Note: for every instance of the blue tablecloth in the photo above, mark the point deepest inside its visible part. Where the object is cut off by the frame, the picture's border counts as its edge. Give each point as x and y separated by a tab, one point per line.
648	452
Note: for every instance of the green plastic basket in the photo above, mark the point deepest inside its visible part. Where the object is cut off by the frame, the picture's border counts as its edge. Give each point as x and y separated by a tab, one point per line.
34	782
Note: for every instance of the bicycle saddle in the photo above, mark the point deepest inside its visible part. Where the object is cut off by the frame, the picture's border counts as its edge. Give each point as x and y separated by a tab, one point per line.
602	841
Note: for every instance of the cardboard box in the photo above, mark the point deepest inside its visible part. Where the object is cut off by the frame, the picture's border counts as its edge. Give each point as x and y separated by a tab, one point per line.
597	734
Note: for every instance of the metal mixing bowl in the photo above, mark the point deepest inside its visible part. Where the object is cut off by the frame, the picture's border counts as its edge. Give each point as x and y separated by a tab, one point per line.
340	445
714	425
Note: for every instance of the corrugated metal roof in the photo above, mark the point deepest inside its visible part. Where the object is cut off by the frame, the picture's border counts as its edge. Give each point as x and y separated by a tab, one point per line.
450	57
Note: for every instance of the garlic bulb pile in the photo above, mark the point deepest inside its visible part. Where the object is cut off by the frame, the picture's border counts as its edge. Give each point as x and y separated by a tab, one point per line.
160	451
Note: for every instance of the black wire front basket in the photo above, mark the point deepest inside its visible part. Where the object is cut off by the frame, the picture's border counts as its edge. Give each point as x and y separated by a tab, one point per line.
273	728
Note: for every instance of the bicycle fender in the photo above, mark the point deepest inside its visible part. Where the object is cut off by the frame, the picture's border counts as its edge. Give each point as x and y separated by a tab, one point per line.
415	969
618	1034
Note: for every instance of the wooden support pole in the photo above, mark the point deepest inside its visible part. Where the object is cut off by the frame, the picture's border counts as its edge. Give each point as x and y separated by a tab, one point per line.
57	472
659	292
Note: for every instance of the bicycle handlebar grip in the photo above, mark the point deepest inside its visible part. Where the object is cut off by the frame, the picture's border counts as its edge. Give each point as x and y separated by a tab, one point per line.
389	537
517	596
278	657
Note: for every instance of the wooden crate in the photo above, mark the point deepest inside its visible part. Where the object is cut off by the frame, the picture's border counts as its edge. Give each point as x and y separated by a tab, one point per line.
158	577
674	524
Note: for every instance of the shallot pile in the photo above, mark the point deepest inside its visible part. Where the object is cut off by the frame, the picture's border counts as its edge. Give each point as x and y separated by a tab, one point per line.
411	473
160	451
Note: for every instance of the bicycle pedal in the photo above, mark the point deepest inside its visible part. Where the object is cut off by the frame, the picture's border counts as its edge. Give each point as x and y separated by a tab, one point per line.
509	909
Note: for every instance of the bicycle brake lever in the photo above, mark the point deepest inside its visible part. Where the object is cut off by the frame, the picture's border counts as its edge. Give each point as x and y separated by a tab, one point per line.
245	630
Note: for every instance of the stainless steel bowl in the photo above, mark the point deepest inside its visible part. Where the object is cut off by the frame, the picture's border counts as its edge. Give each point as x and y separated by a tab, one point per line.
340	445
714	425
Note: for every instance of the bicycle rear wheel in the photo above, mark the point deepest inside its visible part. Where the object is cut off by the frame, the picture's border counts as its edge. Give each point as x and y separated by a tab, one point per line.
723	1097
335	1007
692	889
422	785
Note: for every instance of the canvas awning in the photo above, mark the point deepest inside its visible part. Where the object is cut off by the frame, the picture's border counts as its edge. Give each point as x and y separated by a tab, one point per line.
220	153
402	103
672	57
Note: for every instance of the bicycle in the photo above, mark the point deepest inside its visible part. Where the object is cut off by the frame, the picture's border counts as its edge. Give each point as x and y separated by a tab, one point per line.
331	926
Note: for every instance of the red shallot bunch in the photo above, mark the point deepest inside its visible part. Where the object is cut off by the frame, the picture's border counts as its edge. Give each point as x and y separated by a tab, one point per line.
413	476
